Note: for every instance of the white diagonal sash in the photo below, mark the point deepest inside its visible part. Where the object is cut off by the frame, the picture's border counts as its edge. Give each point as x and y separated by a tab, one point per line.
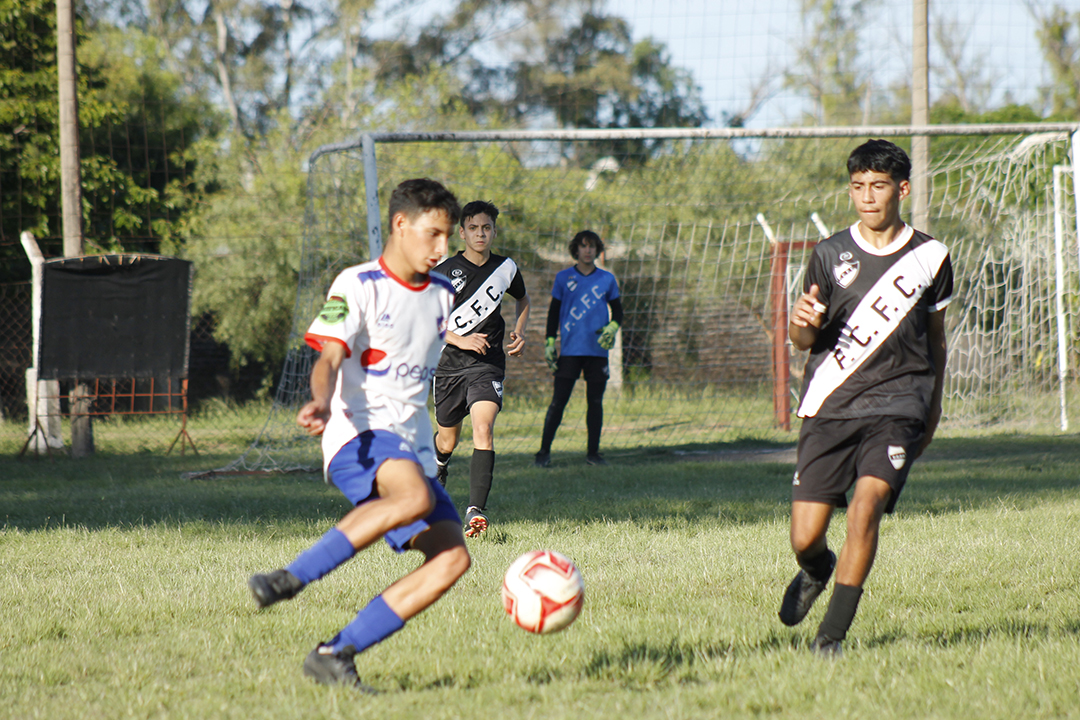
484	301
875	318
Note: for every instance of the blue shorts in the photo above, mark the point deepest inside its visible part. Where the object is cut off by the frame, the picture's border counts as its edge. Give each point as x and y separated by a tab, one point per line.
353	470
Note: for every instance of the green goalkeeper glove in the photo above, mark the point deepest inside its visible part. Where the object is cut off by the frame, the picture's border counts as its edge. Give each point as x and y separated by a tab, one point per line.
607	335
550	355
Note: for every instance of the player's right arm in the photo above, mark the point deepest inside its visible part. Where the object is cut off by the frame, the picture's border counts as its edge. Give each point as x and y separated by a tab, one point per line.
315	414
807	315
477	342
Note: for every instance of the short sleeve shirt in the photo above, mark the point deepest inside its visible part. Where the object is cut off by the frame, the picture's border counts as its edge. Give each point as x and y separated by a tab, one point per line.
584	309
392	333
477	308
872	355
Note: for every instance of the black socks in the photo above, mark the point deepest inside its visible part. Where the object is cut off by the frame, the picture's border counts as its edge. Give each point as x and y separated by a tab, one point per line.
481	470
842	607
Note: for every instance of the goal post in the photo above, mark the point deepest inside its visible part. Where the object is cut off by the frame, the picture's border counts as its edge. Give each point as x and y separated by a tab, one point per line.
708	232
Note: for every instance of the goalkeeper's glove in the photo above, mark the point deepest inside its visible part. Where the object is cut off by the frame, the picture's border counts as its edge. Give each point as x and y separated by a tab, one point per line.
607	335
550	355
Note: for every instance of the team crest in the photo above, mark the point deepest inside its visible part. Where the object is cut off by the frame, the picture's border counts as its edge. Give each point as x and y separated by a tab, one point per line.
571	284
846	272
897	456
457	279
334	311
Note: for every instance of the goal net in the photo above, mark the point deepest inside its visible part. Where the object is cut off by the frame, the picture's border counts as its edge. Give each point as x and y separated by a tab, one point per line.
708	234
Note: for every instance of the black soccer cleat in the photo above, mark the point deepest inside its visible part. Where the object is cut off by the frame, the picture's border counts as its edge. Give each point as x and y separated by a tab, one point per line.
542	460
442	472
801	594
595	459
274	586
825	647
334	668
476	522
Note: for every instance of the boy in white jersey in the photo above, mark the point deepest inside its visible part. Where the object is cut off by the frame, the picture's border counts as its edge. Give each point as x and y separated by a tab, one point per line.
872	315
379	337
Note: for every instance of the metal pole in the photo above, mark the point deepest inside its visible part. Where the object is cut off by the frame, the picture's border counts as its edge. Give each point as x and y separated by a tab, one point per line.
1059	294
371	190
920	116
70	183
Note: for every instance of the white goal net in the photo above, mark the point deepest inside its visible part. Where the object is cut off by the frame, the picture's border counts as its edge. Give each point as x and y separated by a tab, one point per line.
707	233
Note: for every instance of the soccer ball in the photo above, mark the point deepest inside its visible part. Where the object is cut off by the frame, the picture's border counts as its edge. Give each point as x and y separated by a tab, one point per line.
543	591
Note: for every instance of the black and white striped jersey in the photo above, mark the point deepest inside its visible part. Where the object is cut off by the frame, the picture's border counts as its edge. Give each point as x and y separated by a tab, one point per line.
479	292
872	355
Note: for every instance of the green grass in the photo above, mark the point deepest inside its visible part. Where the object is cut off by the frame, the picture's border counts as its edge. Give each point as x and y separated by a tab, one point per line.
123	595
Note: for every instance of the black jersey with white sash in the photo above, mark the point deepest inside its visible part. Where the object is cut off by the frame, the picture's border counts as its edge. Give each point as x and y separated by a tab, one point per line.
872	355
479	292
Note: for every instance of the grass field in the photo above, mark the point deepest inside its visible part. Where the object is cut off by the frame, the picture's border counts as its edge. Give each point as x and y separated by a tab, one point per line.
123	594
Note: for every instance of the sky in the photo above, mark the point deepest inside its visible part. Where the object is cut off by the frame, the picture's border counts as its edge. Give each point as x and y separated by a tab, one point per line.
730	45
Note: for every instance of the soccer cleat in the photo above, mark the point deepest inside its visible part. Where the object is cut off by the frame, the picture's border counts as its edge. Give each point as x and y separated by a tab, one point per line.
801	594
542	460
595	459
441	472
334	668
825	647
274	586
475	522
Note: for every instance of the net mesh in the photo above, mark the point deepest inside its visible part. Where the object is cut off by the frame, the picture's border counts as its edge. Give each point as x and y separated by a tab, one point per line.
692	231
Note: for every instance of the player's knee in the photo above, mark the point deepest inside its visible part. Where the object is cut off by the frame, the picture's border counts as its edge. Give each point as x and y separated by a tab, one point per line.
807	542
413	505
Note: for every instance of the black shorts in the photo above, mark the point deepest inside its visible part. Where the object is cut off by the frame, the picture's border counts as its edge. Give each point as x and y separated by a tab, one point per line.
833	454
455	395
572	366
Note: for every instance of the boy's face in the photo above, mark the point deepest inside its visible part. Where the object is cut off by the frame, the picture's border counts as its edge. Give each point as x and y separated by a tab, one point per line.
479	233
877	197
586	252
422	241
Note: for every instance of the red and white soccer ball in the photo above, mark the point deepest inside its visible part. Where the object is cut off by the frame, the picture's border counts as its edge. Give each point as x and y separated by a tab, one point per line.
543	591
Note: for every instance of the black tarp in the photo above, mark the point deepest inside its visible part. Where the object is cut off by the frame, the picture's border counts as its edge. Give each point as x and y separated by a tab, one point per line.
115	316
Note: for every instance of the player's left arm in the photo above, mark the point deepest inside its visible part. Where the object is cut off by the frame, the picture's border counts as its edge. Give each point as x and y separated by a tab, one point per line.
517	335
935	332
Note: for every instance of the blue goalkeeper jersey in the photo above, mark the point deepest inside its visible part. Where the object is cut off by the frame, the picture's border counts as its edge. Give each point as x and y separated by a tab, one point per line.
584	309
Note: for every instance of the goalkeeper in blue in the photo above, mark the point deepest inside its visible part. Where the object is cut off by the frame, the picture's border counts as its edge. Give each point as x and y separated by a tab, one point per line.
379	336
580	302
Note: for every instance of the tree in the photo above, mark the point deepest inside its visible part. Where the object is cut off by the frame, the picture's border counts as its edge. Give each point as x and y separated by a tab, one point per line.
136	129
828	65
1059	36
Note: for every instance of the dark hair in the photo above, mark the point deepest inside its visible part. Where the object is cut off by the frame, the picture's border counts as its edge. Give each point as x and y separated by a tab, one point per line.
586	236
415	197
479	207
880	156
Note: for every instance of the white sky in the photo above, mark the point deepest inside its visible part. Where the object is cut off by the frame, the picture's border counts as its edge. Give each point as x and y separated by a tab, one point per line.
728	45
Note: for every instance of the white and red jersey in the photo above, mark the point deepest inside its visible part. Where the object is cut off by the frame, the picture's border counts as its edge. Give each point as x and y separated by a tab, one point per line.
393	334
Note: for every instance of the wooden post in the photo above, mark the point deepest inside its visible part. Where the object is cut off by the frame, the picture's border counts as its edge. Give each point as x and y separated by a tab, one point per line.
920	116
82	436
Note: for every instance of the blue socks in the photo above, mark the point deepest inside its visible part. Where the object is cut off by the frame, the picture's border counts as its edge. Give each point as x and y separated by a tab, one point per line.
372	625
331	550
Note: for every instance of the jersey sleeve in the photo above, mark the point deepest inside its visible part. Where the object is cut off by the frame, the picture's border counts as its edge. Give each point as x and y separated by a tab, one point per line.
517	286
558	288
339	319
613	288
941	291
818	274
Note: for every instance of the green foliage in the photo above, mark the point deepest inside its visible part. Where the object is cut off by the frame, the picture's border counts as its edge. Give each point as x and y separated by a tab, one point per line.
135	128
1059	36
